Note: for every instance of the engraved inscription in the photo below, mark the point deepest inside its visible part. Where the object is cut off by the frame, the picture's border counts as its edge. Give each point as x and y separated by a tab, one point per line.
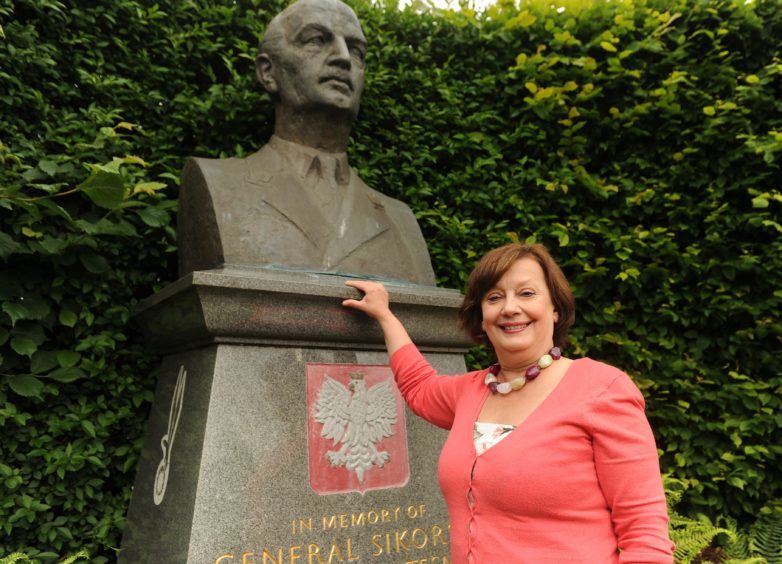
402	539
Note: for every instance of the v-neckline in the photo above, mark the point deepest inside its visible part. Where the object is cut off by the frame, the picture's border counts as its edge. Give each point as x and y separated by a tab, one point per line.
537	408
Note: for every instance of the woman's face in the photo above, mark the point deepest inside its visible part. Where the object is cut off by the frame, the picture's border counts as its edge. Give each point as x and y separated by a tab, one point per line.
518	314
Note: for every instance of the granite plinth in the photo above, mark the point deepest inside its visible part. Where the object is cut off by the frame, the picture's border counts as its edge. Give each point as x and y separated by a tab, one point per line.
224	474
273	306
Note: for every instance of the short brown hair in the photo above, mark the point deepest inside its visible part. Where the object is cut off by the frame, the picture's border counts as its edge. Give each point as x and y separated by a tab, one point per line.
493	266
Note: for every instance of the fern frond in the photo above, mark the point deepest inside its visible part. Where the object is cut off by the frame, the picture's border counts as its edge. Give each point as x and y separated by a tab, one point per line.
692	536
765	535
78	556
15	557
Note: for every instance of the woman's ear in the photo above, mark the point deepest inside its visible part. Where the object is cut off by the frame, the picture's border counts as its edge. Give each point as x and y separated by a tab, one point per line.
556	316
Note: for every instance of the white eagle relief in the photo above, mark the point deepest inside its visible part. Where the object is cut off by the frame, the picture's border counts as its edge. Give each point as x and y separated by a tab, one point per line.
358	418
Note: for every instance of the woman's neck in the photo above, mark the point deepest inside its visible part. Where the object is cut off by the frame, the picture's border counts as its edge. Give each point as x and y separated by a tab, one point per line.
515	364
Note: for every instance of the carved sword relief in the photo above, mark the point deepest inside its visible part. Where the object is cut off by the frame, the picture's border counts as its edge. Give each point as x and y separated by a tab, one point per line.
167	442
358	418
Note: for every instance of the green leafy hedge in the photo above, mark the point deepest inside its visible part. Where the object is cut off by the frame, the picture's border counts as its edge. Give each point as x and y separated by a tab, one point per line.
640	141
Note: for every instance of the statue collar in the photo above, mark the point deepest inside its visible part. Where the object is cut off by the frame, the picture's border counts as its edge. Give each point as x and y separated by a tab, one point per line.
312	163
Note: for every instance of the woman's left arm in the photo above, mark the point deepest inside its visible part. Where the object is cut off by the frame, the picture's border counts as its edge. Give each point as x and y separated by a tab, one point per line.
629	473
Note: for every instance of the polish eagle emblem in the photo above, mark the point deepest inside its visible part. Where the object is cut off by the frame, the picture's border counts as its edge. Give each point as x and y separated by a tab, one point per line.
358	418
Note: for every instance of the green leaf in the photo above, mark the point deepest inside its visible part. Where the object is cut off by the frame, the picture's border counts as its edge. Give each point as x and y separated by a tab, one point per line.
67	359
35	308
105	226
105	189
760	202
148	188
43	361
23	346
16	311
53	245
8	246
68	318
25	384
608	46
66	375
88	427
48	167
154	217
94	263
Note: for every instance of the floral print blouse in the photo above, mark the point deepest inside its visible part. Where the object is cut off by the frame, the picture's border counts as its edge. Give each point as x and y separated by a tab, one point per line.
486	435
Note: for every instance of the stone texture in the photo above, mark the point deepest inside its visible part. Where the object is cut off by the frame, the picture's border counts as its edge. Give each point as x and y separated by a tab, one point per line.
238	482
286	306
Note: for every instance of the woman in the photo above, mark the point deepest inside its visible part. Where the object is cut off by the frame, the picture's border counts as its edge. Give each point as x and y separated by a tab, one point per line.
548	459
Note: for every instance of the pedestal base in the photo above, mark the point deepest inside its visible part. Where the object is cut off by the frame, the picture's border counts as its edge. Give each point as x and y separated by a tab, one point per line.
224	474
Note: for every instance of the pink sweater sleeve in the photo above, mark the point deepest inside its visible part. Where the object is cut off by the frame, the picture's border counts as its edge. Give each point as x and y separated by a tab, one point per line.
629	473
429	395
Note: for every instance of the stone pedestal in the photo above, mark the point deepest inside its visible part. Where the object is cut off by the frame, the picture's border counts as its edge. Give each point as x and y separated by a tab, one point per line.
236	449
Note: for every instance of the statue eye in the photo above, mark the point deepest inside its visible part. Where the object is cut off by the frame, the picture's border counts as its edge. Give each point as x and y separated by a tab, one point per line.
315	39
358	52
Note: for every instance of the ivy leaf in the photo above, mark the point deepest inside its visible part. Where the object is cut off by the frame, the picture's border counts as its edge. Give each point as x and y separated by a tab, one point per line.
23	346
25	384
105	189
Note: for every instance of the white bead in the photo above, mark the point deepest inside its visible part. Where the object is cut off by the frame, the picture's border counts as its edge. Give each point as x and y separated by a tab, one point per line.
504	388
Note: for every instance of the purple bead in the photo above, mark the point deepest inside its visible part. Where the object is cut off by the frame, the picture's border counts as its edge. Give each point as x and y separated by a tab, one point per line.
493	387
494	369
533	372
556	353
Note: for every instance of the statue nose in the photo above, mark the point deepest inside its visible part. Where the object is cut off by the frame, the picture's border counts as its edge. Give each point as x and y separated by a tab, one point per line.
340	53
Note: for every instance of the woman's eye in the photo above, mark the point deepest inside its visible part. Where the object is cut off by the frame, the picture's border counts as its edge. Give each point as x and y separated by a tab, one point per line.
526	293
492	299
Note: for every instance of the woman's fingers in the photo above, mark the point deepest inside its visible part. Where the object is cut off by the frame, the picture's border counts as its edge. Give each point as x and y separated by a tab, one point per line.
374	301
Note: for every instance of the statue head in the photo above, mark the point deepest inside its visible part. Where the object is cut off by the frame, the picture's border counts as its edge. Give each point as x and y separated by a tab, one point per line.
312	58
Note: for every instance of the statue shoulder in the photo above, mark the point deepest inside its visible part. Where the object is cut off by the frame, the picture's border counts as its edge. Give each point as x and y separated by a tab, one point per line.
392	206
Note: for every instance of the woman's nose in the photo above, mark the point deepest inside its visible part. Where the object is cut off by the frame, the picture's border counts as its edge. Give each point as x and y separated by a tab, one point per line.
511	306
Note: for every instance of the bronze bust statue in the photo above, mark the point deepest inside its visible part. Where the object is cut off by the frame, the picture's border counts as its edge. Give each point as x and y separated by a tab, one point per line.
296	202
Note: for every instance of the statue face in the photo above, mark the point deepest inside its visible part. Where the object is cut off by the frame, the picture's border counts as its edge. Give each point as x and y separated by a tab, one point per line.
318	61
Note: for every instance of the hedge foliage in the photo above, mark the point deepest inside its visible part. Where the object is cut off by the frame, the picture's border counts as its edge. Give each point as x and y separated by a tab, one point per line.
640	141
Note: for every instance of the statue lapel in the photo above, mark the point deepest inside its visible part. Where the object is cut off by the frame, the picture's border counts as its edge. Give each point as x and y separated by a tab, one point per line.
362	218
282	190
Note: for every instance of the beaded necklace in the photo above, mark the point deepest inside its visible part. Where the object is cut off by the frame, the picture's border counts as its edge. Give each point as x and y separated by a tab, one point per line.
518	383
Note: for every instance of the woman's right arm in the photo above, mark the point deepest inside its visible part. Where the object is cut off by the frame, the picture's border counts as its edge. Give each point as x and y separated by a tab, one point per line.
428	395
375	304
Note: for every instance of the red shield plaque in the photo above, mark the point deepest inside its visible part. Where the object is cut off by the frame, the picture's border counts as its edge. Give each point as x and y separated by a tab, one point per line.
357	435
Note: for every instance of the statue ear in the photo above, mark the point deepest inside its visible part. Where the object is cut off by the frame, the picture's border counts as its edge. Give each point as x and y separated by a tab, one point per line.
263	70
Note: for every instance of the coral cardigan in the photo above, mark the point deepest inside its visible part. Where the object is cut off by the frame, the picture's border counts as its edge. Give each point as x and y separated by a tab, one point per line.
577	481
